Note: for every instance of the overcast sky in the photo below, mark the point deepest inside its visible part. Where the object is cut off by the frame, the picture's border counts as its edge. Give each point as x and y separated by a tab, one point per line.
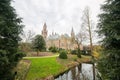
59	15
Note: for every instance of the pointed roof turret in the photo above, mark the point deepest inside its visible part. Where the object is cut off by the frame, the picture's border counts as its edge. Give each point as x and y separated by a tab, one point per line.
72	33
72	36
44	26
44	31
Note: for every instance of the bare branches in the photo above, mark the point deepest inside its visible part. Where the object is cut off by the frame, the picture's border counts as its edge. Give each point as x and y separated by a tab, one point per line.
88	24
81	37
28	36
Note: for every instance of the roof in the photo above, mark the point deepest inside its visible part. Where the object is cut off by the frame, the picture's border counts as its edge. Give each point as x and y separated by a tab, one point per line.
57	36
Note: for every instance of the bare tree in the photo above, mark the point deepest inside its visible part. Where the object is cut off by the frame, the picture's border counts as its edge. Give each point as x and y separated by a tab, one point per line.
28	36
89	27
80	37
87	24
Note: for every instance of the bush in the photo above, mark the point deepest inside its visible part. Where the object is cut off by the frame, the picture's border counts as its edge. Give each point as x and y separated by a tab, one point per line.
44	49
74	52
20	55
50	48
79	53
86	52
63	55
53	49
61	49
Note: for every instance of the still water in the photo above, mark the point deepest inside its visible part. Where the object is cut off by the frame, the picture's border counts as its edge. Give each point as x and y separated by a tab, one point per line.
80	72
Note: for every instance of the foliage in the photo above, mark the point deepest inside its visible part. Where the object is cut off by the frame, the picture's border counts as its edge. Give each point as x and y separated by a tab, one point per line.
82	52
10	28
63	54
61	49
43	67
25	47
22	69
95	54
109	27
74	52
97	48
96	51
39	43
53	49
87	52
79	53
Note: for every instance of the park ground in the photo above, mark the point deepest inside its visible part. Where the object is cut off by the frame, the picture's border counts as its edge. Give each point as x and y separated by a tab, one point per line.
32	68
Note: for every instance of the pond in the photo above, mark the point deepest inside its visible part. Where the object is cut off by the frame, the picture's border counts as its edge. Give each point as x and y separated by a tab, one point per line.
83	71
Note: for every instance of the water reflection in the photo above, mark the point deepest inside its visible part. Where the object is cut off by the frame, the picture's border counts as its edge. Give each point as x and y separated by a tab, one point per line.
80	72
87	71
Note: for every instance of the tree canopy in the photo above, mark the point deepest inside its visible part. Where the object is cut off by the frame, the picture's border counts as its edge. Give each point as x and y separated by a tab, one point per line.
109	28
10	28
39	43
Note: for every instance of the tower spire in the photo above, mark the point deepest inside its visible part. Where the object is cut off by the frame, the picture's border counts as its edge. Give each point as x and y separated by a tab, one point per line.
72	33
44	31
72	36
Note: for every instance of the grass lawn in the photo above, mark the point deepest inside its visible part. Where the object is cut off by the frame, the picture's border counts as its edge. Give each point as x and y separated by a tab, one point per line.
43	67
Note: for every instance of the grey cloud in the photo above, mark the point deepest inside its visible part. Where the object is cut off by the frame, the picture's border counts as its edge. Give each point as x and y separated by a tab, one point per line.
60	15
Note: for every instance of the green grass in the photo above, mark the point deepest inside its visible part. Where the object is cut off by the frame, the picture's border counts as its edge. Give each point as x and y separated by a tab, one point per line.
72	59
43	67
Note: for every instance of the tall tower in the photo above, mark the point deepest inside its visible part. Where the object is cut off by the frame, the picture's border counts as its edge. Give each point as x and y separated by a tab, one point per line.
44	31
72	35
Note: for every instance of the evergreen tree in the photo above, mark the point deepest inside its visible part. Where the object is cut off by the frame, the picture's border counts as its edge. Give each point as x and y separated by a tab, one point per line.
10	28
39	43
109	27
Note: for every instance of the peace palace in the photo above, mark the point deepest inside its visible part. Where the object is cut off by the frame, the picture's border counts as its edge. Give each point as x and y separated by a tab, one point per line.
60	41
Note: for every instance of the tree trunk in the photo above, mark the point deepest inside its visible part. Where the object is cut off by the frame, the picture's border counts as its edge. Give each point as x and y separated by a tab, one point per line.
93	71
37	52
91	47
90	37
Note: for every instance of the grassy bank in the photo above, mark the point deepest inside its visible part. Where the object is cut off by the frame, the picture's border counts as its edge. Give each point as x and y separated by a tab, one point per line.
22	69
73	60
43	67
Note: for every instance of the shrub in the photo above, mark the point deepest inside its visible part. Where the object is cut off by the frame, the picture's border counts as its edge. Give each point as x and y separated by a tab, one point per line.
50	48
75	58
53	49
79	53
20	55
86	52
25	47
74	52
69	51
61	49
63	54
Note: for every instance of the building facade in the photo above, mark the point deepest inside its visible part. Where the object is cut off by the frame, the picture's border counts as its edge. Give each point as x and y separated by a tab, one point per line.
63	41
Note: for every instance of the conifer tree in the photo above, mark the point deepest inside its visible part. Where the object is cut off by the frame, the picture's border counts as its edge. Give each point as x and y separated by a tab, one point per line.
10	28
109	28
